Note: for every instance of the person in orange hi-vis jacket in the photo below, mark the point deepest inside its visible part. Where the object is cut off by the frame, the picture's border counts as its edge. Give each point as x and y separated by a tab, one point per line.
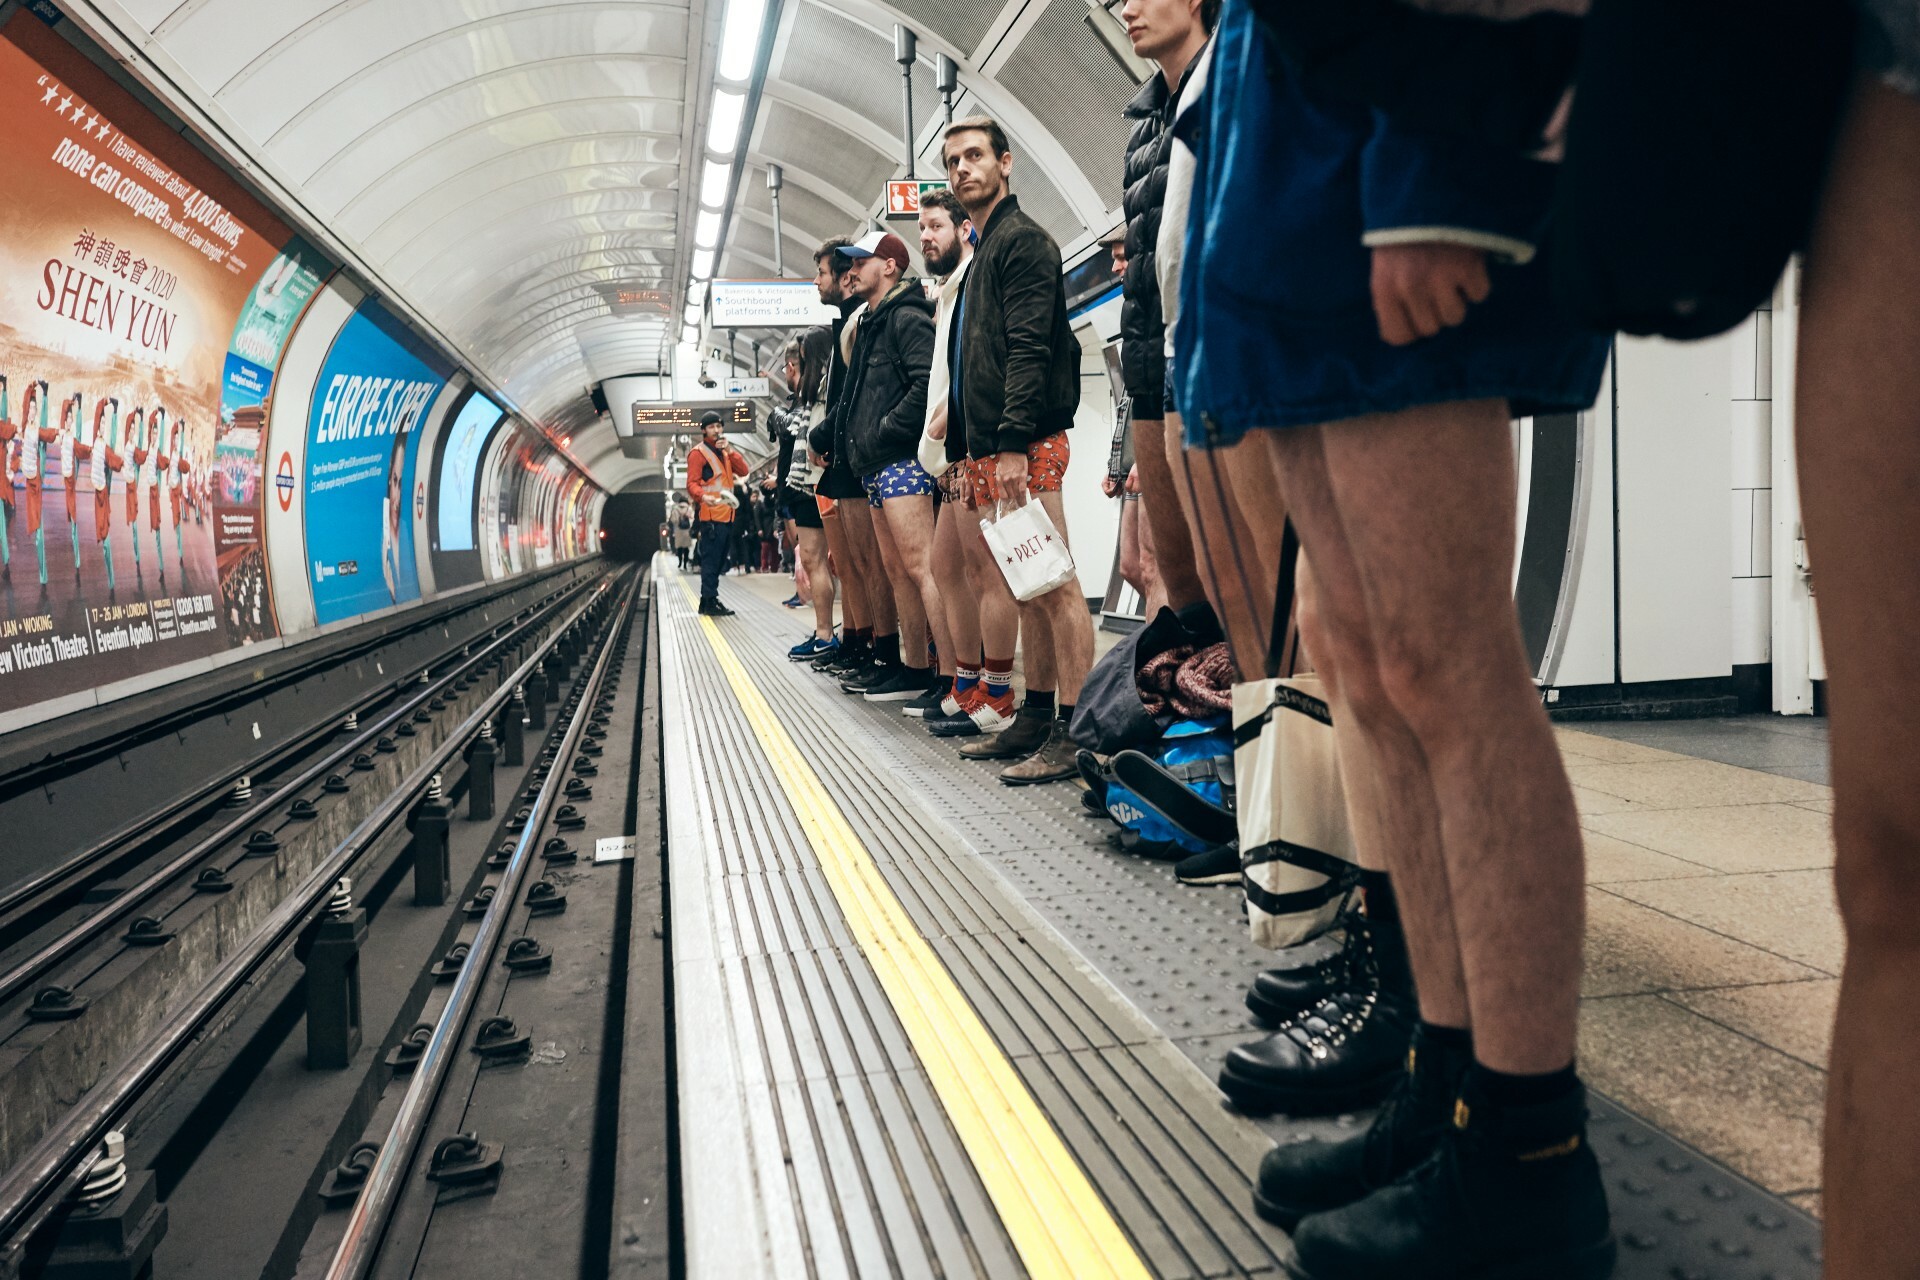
714	467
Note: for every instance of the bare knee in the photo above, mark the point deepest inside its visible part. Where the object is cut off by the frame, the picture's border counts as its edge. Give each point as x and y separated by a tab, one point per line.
1877	870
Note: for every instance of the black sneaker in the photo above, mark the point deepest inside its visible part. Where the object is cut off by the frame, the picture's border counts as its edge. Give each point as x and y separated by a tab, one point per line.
714	609
901	684
1510	1193
868	676
928	703
851	658
1300	1178
1094	772
957	725
1218	865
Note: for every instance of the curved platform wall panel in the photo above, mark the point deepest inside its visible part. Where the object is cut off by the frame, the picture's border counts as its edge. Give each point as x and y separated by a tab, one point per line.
420	512
286	536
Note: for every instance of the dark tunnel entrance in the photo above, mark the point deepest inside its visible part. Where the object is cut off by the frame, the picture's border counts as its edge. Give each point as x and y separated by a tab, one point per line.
631	523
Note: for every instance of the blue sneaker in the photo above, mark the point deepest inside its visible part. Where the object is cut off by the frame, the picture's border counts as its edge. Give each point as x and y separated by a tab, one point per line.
793	601
814	647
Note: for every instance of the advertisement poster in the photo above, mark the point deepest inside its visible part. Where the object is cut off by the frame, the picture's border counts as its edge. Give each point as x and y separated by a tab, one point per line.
126	263
454	520
376	385
239	479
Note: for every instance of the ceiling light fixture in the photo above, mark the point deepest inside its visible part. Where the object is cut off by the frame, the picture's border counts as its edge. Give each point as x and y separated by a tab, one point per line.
703	264
723	122
693	313
706	229
689	336
713	183
740	37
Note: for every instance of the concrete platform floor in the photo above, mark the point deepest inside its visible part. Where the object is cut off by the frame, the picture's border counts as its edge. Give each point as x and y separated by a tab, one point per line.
1713	940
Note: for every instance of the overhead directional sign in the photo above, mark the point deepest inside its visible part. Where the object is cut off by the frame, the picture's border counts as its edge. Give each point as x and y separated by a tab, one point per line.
745	388
903	195
766	304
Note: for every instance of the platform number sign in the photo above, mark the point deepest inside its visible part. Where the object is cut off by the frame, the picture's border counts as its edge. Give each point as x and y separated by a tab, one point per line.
903	195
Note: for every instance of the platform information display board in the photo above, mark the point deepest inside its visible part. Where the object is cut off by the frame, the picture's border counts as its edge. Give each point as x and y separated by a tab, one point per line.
141	295
362	454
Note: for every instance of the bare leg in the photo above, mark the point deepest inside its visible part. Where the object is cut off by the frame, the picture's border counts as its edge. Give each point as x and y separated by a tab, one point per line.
813	563
1208	484
907	600
853	606
1154	590
1859	439
856	524
1069	627
1390	797
909	525
957	594
999	613
1170	537
1436	575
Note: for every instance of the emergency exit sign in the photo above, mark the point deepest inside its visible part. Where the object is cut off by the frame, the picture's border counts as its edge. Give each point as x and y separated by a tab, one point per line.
903	195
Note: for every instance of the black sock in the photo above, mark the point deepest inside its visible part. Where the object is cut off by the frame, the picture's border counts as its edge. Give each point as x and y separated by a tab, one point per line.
1524	1091
1063	712
1039	700
1455	1039
1199	619
1376	890
886	649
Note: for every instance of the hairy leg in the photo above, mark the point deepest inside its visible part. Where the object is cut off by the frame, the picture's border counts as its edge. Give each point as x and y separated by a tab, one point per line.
1169	535
1209	484
999	613
1859	439
854	611
1069	627
909	573
856	522
1390	797
911	522
1437	575
958	597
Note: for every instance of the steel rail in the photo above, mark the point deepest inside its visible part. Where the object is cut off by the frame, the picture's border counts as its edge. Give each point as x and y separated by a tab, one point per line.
372	1211
26	895
30	970
58	1159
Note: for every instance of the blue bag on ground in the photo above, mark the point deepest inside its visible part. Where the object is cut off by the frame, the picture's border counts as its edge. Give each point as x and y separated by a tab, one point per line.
1200	754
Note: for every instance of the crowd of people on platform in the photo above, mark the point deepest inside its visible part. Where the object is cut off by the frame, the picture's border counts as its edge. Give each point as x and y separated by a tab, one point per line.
1345	273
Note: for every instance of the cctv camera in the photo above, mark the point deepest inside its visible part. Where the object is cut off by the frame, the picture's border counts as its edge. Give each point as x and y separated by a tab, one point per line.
706	380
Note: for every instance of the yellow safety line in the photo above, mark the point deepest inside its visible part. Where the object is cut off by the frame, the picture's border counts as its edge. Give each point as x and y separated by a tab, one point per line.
1056	1219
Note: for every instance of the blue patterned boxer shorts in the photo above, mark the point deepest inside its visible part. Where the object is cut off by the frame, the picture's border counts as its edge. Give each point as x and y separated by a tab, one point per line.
906	479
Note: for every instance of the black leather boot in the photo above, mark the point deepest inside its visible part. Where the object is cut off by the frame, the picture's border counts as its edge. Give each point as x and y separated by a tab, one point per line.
1510	1193
1312	1177
1309	973
1342	1052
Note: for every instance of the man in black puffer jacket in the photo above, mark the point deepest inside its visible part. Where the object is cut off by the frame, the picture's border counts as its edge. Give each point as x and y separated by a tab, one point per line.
1171	33
877	431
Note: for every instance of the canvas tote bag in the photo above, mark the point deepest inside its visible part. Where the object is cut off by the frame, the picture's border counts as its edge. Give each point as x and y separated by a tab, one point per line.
1296	845
1032	555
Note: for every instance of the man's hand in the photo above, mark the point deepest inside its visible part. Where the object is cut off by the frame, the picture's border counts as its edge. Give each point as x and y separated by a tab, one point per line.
937	427
1132	484
1110	486
1010	474
1420	289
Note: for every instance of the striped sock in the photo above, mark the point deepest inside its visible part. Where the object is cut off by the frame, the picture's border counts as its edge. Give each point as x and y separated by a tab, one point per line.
998	677
964	678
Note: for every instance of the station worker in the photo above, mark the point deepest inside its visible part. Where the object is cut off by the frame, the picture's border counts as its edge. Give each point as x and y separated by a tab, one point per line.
714	467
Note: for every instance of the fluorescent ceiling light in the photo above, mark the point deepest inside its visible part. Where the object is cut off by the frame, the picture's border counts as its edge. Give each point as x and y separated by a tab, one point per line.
697	291
723	122
693	313
706	229
689	336
713	183
702	264
740	37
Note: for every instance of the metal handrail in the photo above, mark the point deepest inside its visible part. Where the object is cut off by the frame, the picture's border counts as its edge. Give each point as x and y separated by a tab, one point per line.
367	1224
23	975
28	1189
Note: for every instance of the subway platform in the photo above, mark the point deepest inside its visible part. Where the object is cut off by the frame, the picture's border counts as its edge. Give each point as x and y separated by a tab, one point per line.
929	1024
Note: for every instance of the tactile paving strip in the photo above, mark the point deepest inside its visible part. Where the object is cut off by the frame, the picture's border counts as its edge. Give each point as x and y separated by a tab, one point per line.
1042	873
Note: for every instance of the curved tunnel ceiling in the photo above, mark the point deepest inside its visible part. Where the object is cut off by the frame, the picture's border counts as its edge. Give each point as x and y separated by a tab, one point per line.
499	166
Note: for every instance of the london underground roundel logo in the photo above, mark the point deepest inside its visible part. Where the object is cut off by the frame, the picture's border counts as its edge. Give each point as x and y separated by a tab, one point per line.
283	481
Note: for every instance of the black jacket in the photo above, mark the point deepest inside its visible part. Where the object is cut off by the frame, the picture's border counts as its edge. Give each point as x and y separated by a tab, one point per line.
839	480
1020	364
883	404
1143	329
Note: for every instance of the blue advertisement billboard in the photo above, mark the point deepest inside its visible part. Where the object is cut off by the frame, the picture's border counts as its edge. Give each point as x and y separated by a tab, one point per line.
453	521
362	453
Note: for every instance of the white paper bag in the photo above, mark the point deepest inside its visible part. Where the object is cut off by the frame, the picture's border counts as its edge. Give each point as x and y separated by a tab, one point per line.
1296	844
1032	555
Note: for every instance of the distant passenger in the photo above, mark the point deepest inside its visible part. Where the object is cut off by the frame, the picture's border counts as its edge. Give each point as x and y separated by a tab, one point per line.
1367	305
1019	387
713	468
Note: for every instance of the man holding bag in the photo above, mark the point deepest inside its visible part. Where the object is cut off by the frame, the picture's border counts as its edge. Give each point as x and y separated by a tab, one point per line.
1018	388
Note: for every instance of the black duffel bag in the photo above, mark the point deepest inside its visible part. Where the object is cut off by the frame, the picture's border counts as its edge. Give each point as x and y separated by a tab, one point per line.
1110	716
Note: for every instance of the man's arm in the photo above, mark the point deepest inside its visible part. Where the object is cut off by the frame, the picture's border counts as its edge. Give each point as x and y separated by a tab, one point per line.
913	334
1027	280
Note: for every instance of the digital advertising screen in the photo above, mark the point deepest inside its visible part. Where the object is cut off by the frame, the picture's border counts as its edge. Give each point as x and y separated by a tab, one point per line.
466	436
